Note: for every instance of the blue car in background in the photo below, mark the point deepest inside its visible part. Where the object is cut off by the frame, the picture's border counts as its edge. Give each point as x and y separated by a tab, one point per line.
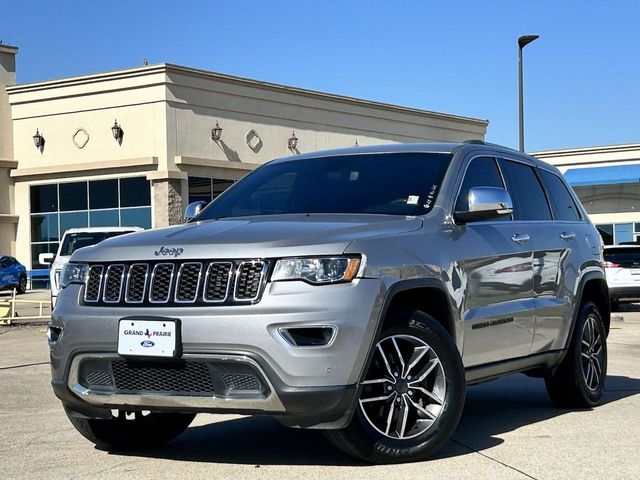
12	274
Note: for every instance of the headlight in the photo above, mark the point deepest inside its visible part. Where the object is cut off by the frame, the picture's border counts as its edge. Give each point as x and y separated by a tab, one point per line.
320	270
73	273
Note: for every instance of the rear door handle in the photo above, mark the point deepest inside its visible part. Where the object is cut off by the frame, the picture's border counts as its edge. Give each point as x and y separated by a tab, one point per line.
567	236
520	238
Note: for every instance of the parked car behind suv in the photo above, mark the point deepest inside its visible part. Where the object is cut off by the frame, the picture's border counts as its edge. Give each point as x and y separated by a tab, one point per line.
622	264
356	291
73	239
12	274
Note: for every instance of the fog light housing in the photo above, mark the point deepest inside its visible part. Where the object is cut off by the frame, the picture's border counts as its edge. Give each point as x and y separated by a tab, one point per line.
309	336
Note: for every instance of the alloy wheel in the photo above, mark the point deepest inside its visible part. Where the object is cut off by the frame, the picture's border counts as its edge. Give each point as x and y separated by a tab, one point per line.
592	354
403	393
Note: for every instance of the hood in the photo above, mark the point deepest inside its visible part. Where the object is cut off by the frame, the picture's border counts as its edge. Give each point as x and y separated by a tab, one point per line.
249	237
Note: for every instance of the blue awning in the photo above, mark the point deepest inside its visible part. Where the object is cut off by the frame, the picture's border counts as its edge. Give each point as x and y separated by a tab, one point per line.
582	177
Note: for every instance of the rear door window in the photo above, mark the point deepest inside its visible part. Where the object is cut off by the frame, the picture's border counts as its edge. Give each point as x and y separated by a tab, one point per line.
529	199
564	208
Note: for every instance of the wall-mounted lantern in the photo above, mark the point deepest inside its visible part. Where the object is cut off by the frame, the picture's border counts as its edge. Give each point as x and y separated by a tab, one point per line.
38	140
293	141
216	132
117	131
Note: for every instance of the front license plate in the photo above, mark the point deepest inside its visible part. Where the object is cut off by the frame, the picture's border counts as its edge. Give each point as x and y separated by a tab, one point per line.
149	338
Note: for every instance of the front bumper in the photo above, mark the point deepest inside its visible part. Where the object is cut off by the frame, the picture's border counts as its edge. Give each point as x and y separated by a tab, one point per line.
303	386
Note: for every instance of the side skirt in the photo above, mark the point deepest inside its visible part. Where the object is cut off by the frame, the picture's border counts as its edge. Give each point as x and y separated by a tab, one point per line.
482	373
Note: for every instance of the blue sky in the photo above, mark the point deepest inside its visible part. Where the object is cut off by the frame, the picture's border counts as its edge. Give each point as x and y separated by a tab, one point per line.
582	77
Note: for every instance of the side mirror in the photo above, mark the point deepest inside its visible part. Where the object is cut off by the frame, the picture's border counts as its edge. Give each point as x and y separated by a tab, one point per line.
486	203
46	259
193	209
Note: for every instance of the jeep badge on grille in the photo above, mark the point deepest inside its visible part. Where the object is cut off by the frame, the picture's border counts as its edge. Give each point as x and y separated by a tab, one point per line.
171	252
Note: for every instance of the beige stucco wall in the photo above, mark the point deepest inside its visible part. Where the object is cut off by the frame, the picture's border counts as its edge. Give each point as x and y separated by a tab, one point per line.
196	100
7	78
167	113
7	217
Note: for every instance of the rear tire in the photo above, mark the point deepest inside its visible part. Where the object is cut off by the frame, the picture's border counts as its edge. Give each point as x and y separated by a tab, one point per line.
579	380
22	285
418	369
134	431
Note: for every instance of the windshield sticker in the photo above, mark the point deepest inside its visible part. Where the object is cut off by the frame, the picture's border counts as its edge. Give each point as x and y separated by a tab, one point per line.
430	197
413	199
353	176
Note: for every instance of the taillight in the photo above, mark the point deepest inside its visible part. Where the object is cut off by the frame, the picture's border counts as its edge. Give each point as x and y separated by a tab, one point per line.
611	265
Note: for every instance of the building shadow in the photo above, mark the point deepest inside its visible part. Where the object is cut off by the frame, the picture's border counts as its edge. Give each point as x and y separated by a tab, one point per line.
491	409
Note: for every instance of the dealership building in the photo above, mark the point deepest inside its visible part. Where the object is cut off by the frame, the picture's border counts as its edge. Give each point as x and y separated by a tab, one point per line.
134	146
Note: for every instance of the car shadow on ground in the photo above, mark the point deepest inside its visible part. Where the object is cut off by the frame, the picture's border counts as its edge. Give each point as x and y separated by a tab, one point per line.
491	409
627	307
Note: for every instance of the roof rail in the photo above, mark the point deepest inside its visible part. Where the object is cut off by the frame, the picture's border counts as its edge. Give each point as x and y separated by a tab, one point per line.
489	144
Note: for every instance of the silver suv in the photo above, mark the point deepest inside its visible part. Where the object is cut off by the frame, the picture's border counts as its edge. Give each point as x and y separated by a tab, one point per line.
356	291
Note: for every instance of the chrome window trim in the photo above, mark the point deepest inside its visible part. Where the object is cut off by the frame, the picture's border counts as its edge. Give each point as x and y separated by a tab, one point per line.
177	283
151	300
106	281
86	283
206	280
144	286
237	277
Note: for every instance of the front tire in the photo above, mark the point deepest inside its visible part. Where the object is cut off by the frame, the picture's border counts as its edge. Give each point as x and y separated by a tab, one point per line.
579	380
411	398
132	430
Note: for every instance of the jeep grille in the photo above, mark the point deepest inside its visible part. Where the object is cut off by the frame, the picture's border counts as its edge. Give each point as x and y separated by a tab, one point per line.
194	282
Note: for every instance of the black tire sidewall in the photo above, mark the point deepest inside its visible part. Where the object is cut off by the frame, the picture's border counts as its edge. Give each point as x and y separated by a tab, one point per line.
590	397
378	448
20	287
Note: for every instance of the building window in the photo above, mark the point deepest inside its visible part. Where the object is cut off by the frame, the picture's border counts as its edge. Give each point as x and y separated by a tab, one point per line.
96	203
619	233
206	189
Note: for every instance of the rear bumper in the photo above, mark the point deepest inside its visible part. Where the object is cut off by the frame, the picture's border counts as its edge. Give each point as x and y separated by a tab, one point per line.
624	293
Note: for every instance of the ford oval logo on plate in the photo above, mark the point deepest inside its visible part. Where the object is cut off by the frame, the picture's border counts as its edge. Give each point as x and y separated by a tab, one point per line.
147	344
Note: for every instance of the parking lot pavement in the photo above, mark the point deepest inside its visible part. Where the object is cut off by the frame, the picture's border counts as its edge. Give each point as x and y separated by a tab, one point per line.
509	430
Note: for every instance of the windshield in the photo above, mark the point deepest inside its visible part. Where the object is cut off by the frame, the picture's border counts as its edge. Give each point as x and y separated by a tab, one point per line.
74	241
392	184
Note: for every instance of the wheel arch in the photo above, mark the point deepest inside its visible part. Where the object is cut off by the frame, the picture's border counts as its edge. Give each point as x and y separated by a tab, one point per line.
415	294
593	287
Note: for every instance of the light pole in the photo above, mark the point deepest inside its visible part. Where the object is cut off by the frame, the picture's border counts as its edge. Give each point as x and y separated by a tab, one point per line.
522	42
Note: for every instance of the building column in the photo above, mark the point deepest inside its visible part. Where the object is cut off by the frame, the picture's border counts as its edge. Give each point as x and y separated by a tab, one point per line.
168	204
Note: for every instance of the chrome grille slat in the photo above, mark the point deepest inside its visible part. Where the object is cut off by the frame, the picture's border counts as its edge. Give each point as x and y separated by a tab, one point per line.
249	280
161	281
188	282
217	281
136	283
113	280
93	283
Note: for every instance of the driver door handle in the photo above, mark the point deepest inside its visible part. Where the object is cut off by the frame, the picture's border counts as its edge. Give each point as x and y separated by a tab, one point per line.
520	238
567	236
